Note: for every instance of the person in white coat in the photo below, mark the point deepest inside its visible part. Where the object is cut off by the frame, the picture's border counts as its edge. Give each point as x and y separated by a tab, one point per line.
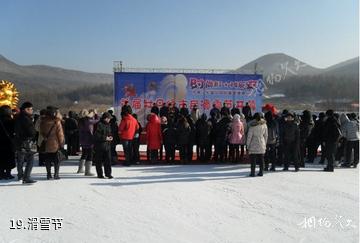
256	142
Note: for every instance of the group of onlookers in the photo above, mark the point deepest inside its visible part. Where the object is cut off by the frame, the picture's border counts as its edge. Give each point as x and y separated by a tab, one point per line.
270	139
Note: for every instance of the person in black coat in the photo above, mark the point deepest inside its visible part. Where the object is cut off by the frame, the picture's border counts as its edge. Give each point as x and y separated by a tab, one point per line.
116	138
290	140
103	138
184	111
164	110
224	110
71	134
192	137
7	148
213	121
183	134
306	125
169	134
203	129
136	141
280	148
315	140
331	135
222	130
246	110
272	140
163	125
24	138
215	112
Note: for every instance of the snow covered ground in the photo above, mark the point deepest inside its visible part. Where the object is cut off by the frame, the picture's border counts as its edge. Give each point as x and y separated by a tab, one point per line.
185	203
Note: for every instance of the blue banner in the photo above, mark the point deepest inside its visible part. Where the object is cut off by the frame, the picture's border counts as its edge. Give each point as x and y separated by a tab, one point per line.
141	90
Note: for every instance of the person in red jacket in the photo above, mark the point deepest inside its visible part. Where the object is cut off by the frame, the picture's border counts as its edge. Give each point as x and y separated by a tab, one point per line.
127	129
153	136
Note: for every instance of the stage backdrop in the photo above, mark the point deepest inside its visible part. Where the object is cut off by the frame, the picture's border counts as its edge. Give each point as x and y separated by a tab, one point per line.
203	90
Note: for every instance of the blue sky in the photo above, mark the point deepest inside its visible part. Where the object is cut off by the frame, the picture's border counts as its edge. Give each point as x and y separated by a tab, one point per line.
89	34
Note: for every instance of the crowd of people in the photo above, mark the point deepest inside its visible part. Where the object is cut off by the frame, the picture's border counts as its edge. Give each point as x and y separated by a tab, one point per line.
23	135
270	139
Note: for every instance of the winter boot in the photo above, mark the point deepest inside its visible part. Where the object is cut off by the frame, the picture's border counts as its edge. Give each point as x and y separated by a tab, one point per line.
252	173
261	165
81	166
48	170
88	165
57	168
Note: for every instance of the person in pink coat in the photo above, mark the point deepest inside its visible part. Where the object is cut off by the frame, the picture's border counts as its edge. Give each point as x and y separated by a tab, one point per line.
153	136
236	137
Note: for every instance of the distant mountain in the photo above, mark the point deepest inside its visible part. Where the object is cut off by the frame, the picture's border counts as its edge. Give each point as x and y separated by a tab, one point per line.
41	77
287	66
283	75
347	68
280	70
278	64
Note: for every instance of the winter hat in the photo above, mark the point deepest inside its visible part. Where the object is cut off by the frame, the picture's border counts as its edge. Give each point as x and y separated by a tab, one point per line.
106	115
163	120
268	116
321	115
257	116
330	113
51	111
306	115
290	114
236	117
25	105
84	113
91	113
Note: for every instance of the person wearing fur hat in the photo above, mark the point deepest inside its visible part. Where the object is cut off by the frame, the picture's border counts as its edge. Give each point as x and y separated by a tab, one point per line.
86	138
103	138
256	143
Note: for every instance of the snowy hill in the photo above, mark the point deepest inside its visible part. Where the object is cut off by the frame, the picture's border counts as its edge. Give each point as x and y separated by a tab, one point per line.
346	68
278	63
43	77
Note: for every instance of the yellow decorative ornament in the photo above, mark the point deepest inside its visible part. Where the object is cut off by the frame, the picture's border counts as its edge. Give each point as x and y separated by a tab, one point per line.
8	94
